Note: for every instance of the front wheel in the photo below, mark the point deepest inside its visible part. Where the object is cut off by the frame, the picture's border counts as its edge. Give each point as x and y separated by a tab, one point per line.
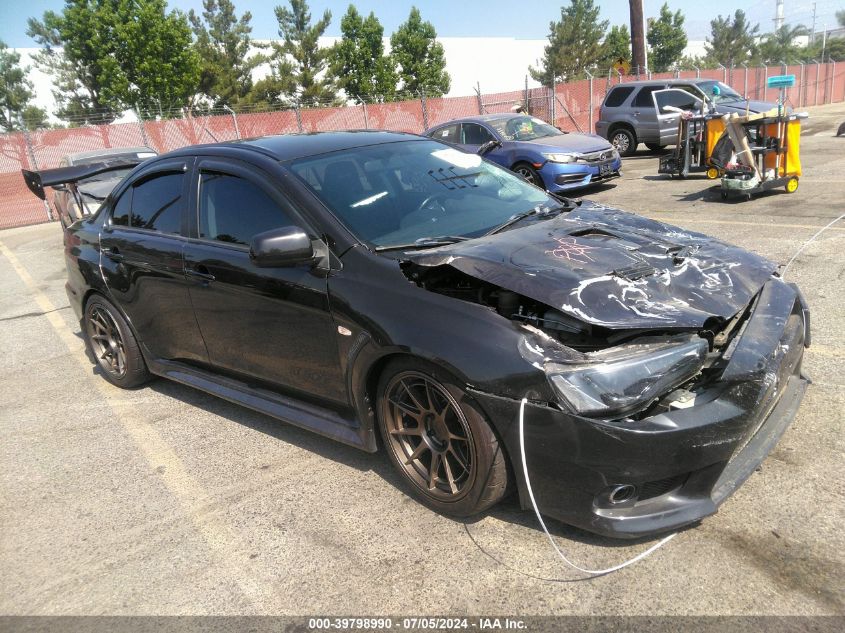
439	440
529	173
113	345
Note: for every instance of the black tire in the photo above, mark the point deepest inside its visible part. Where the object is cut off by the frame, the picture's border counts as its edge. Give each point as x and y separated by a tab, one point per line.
624	140
654	147
113	345
438	440
529	174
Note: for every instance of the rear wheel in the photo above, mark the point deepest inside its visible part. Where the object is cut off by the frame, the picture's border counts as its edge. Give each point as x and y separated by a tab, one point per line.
529	173
624	140
791	185
113	344
439	440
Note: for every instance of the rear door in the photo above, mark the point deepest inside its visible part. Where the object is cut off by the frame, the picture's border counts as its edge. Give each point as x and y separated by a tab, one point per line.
642	108
668	119
271	325
141	261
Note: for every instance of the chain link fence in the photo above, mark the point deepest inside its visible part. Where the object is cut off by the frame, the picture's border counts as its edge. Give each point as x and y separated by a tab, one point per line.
572	107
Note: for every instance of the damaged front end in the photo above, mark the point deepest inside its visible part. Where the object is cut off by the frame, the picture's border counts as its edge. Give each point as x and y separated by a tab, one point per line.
674	360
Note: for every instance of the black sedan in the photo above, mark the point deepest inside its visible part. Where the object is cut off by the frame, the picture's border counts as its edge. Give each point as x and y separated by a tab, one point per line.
354	280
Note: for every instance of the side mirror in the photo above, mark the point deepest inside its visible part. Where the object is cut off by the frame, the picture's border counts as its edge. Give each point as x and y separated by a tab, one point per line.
489	146
285	246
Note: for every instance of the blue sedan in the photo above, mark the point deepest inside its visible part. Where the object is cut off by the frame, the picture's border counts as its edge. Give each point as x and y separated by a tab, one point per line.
540	153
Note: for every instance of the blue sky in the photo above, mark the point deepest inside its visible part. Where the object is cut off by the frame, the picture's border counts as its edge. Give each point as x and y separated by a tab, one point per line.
461	18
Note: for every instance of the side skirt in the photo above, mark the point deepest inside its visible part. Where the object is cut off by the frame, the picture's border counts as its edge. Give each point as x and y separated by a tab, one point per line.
314	418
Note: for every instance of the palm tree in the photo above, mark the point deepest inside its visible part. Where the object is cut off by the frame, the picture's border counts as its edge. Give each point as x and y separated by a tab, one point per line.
780	46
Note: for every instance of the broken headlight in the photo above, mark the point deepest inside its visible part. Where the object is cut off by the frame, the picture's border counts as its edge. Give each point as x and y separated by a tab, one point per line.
626	378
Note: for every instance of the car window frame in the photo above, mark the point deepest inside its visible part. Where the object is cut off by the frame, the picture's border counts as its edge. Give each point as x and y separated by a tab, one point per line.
255	176
166	166
632	90
481	125
673	89
652	88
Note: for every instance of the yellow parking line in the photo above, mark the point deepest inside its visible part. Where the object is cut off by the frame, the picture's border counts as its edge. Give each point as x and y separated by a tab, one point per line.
225	545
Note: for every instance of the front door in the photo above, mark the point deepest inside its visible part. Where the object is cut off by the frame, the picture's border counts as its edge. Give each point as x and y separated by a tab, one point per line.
666	106
141	260
269	324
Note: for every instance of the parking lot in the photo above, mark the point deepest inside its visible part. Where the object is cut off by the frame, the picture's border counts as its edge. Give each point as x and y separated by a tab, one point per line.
166	500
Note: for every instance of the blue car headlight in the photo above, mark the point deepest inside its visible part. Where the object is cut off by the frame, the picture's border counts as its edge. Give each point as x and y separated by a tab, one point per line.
561	158
624	379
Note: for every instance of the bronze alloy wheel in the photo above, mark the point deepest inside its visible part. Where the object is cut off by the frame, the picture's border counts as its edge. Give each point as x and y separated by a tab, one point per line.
106	342
429	435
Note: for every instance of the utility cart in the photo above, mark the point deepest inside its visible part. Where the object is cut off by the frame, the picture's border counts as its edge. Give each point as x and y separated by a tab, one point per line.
766	147
697	137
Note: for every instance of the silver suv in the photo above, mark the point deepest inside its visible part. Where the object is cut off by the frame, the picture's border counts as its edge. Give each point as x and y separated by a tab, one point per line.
636	112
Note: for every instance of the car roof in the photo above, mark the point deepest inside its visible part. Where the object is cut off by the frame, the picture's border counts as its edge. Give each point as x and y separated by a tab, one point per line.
660	82
283	147
483	118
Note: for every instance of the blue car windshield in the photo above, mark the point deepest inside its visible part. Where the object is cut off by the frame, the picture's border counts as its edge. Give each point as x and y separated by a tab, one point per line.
523	128
400	193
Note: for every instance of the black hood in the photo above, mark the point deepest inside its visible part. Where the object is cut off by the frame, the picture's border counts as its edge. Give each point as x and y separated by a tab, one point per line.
614	269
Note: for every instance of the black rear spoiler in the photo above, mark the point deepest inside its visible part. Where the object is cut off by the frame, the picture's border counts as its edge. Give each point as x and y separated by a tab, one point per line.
37	180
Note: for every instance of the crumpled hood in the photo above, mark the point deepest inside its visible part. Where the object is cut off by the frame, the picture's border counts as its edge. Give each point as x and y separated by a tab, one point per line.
614	269
573	142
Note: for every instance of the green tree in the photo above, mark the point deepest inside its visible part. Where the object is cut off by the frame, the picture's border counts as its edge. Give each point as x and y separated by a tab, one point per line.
667	39
116	54
780	46
300	67
222	42
732	42
575	43
616	47
16	93
358	61
420	57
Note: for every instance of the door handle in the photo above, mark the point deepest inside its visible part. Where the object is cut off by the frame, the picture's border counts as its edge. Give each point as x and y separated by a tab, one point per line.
200	272
637	113
113	253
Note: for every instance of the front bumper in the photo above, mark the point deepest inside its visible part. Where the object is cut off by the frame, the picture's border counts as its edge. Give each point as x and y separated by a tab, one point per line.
558	177
682	463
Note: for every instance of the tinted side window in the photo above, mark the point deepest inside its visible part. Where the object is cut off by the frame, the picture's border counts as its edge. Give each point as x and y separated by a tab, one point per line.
157	203
233	209
448	134
643	97
474	134
120	215
677	98
617	96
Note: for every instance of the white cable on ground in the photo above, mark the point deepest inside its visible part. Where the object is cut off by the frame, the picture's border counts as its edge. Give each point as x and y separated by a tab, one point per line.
594	572
805	244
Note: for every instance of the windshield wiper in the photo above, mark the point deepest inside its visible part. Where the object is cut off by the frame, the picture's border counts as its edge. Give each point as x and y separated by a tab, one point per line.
538	210
440	240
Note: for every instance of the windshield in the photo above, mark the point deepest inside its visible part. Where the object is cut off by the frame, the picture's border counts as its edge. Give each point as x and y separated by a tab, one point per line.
726	93
523	128
398	193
